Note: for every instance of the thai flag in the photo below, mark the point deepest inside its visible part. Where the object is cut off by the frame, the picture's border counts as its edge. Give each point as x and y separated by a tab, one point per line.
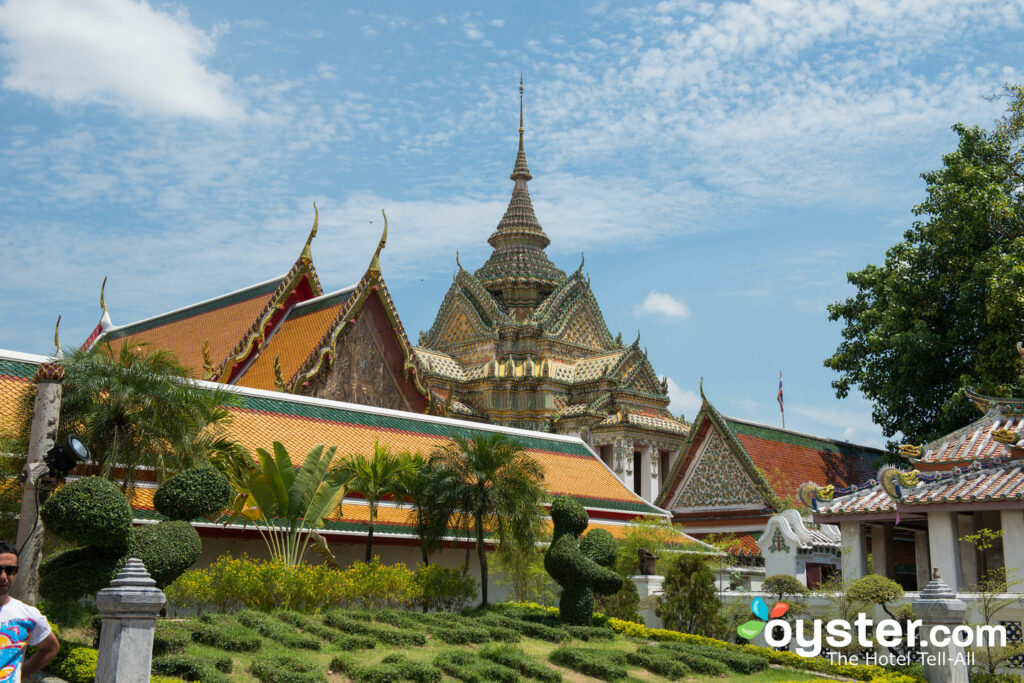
779	397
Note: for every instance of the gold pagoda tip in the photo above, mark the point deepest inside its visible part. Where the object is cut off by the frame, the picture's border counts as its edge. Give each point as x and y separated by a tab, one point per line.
56	333
103	303
316	221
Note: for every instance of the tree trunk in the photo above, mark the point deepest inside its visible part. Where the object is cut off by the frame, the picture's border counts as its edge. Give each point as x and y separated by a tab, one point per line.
481	553
369	537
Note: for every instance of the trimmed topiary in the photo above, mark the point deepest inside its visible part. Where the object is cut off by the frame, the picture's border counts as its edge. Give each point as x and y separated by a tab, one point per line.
193	493
69	575
167	549
90	512
600	546
575	571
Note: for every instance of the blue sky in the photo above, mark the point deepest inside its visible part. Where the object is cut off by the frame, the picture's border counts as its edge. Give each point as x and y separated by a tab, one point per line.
722	166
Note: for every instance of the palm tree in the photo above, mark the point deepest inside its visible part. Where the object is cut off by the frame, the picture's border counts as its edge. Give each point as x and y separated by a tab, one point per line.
415	486
137	408
287	504
491	479
375	477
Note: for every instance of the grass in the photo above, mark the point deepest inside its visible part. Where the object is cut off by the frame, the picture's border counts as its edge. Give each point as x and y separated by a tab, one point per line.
397	635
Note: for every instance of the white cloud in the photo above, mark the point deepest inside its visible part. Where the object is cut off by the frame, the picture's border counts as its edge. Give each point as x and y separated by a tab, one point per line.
682	400
114	52
664	304
496	23
472	32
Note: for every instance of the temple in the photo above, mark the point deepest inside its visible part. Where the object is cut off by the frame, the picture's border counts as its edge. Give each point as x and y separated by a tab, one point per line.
966	481
520	343
733	475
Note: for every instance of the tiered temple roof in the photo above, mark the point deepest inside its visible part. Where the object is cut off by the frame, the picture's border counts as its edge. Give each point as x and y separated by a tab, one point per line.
259	418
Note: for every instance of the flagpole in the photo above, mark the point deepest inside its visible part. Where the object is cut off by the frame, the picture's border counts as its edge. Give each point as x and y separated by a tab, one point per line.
781	408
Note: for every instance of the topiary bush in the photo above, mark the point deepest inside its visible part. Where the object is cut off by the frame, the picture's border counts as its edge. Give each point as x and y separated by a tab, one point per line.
94	514
189	668
67	576
193	493
577	572
167	549
89	512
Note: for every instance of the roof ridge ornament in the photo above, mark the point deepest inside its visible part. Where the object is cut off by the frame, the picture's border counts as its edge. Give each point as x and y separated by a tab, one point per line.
306	252
103	303
375	262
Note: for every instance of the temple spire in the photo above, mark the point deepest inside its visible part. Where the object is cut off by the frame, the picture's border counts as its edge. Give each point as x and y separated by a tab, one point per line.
521	170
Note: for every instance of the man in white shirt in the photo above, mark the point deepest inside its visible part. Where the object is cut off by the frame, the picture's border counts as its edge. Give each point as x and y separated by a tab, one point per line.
21	625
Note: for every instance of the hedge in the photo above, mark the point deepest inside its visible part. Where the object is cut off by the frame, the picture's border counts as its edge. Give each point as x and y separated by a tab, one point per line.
189	668
592	663
418	672
384	634
197	492
223	637
273	629
516	659
285	669
659	664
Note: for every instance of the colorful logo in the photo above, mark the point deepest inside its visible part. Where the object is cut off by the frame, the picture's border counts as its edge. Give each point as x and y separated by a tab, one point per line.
751	628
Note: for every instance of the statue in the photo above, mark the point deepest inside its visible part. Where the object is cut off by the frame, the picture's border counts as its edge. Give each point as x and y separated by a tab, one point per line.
647	560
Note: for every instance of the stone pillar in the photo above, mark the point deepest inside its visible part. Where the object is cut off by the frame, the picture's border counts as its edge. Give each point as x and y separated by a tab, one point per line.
1013	543
42	435
129	608
645	473
968	552
649	586
922	559
939	606
879	552
944	547
854	558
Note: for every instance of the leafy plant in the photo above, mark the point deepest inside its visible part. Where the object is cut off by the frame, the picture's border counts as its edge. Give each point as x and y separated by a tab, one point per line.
690	603
285	504
380	475
491	480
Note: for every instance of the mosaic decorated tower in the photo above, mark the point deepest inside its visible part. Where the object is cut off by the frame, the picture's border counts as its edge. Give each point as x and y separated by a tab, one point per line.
521	343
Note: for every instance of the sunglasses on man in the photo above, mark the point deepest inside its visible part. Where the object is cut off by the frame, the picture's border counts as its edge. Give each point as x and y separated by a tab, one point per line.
9	569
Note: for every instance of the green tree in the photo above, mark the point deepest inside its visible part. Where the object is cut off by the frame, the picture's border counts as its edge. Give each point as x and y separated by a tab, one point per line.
691	603
490	479
943	312
136	408
380	475
286	504
416	485
523	573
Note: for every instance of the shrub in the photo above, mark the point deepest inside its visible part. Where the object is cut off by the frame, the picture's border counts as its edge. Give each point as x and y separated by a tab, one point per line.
313	627
621	604
441	588
167	549
384	634
658	663
418	672
223	637
170	638
461	635
197	492
781	585
464	667
707	664
67	576
591	633
400	619
600	546
188	668
516	659
91	512
359	673
691	603
577	573
75	664
740	662
285	669
592	663
273	629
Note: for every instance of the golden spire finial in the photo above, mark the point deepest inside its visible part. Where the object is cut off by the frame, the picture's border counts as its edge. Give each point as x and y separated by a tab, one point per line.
375	263
103	304
208	368
316	221
520	106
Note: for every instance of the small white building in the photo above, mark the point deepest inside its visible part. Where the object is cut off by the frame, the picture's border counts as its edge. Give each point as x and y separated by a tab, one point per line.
795	546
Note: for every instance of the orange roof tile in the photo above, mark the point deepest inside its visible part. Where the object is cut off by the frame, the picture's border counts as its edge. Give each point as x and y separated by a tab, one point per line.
222	320
295	339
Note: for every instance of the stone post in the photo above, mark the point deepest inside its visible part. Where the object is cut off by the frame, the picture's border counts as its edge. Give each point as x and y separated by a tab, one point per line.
854	559
939	606
43	433
129	608
648	586
944	547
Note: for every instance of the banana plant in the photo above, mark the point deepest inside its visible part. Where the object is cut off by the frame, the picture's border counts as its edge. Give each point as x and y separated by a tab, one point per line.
286	505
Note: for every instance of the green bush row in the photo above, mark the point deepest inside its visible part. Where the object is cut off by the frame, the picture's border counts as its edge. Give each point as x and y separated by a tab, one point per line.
344	641
393	669
740	662
222	636
658	663
189	668
76	663
594	663
285	669
418	672
384	634
273	629
465	667
516	659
